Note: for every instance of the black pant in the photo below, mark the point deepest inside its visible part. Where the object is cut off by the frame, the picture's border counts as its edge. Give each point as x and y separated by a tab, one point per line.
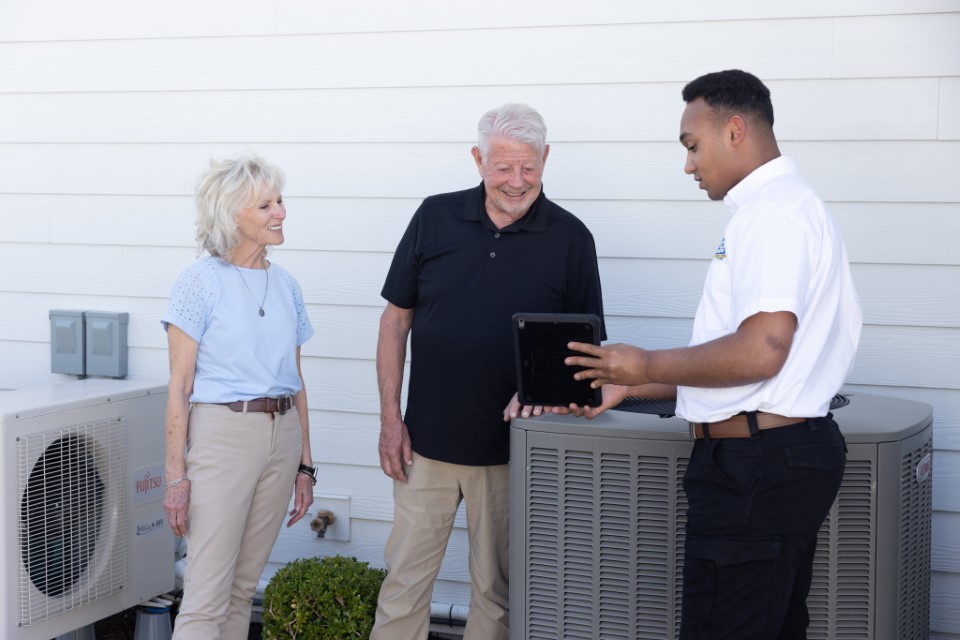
755	506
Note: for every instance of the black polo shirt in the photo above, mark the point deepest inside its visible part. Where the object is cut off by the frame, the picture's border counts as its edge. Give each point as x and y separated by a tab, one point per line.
465	279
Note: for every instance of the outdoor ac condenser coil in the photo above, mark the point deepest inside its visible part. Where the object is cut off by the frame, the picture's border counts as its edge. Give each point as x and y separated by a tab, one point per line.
598	513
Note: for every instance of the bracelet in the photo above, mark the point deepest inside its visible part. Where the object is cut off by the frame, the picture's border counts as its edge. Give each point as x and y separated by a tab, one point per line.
313	478
310	472
174	483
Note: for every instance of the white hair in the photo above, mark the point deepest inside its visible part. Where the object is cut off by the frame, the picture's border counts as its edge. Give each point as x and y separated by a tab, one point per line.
227	187
518	122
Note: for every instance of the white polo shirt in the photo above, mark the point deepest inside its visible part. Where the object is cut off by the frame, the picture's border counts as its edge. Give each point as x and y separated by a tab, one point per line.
781	251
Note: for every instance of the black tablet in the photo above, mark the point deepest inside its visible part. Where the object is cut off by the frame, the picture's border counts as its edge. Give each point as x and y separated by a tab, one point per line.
540	341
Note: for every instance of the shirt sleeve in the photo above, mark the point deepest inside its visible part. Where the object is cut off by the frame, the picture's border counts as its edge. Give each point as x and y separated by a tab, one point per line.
400	287
770	265
191	300
304	326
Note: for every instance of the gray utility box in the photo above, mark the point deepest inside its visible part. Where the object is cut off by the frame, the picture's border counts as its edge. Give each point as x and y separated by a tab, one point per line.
107	343
67	351
89	343
597	515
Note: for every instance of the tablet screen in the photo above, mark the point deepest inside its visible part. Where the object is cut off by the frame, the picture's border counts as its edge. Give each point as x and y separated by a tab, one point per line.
540	341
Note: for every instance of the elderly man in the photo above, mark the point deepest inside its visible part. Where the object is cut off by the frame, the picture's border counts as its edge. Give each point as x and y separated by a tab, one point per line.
468	261
774	338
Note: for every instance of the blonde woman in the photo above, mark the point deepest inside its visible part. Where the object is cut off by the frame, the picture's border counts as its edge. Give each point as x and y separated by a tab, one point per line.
238	437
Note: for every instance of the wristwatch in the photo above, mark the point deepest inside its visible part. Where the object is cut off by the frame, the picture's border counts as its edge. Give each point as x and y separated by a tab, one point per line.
310	472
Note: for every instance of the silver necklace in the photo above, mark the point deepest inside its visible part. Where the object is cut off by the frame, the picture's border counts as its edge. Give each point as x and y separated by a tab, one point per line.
266	286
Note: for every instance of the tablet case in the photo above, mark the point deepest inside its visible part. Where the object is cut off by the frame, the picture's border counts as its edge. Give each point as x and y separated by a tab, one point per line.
540	341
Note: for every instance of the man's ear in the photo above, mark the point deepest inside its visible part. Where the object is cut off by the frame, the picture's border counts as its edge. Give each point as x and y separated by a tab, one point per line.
475	152
735	130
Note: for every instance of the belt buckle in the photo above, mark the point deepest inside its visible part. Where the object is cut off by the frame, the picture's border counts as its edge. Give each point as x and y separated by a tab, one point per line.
283	404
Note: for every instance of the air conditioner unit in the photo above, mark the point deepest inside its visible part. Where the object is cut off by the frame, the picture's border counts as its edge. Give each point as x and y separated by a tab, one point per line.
597	521
83	534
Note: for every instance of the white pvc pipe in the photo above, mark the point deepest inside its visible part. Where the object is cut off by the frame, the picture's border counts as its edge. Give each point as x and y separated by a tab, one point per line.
453	614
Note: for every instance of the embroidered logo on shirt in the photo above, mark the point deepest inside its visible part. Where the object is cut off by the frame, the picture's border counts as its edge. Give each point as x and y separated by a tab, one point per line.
721	253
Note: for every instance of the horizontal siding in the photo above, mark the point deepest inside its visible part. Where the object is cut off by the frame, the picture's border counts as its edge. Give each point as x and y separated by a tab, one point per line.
909	357
848	109
946	481
31	368
339	437
874	232
946	551
905	45
95	19
914	171
944	596
606	54
53	20
949	119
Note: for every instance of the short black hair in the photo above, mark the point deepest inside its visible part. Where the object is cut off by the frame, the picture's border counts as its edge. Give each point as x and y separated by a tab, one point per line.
731	91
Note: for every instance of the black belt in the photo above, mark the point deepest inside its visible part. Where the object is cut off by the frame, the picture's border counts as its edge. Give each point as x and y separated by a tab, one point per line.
261	405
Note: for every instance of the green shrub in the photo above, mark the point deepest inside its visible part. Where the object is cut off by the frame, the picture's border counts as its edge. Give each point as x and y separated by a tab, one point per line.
332	598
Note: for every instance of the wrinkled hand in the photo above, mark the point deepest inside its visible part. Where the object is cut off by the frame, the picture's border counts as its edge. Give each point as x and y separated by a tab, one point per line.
395	451
515	410
176	503
302	497
612	395
620	364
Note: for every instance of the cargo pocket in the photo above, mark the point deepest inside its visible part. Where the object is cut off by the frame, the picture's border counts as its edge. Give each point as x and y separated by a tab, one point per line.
727	587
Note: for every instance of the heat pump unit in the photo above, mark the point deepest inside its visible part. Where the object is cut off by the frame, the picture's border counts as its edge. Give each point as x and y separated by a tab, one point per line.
597	517
83	534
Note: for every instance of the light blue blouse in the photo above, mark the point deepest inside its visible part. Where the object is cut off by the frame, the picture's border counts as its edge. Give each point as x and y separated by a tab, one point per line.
241	355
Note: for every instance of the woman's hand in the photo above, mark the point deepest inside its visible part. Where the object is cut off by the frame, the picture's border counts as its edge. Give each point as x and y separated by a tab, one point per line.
302	497
176	502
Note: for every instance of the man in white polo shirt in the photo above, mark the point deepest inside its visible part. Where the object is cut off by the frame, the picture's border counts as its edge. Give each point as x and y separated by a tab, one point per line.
774	338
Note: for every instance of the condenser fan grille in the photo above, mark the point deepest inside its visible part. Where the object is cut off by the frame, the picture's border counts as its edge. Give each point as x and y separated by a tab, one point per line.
69	481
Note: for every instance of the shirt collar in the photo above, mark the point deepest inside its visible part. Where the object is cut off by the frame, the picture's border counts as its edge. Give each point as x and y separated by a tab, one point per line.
749	187
475	209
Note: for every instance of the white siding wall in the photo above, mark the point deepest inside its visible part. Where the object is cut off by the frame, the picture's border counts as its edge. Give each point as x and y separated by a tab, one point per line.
110	109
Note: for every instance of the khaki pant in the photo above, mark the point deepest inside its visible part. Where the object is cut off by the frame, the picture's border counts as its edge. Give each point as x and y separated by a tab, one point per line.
424	509
242	469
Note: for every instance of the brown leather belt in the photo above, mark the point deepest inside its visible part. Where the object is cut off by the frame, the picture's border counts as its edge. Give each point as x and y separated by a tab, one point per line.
738	427
261	405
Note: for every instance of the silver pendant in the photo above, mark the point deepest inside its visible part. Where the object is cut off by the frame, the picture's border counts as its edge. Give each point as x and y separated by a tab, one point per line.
261	313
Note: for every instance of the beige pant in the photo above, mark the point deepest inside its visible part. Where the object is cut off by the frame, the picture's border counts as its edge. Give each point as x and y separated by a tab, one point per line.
424	509
242	469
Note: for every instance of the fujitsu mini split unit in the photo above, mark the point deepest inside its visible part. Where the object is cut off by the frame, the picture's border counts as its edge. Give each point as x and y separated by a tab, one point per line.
597	516
84	534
